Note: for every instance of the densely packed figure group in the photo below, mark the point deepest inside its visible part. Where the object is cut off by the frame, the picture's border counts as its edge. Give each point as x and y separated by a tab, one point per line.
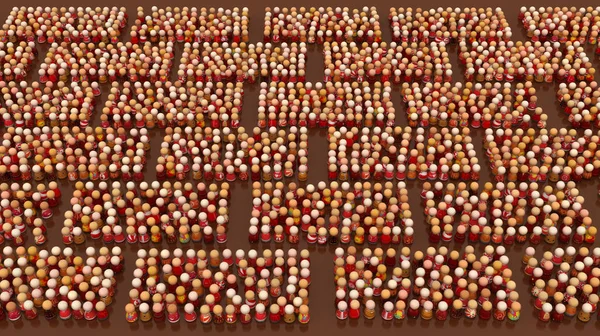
338	213
399	63
507	213
564	282
447	284
561	24
257	287
191	25
57	283
104	62
148	212
449	25
320	25
52	24
81	101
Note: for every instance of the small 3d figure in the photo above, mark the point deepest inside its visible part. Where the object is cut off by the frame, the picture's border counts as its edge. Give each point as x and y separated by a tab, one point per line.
289	315
30	310
274	316
260	314
413	309
369	310
387	313
303	314
230	314
558	315
342	310
12	311
205	314
442	312
427	310
218	314
145	314
354	312
544	314
131	314
585	313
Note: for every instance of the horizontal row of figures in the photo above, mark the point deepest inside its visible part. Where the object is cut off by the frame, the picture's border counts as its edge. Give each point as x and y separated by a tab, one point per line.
48	135
396	62
369	213
311	25
88	43
218	107
226	287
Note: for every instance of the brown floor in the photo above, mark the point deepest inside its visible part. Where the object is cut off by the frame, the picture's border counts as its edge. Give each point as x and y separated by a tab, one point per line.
323	319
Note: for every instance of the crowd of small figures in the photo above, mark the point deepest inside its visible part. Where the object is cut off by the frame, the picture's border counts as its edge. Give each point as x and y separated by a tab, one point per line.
378	213
52	24
271	287
445	284
24	207
561	24
564	282
148	213
368	104
331	214
57	283
580	103
542	155
507	213
48	137
191	25
85	44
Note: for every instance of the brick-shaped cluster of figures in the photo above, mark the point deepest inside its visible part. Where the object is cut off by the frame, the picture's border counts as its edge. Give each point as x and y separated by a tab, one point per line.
83	91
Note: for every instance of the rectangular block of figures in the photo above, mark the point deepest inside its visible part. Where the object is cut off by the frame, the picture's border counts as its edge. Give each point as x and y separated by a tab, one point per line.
561	24
25	210
354	104
396	63
58	284
364	154
579	101
507	213
144	213
564	282
242	62
428	285
529	61
220	287
321	105
282	104
335	213
434	154
265	155
16	59
449	25
210	105
193	24
542	155
320	25
41	104
477	105
214	62
68	25
48	135
499	214
76	154
107	63
459	212
283	63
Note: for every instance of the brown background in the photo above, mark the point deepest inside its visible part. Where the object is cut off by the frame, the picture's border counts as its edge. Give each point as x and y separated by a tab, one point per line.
321	291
